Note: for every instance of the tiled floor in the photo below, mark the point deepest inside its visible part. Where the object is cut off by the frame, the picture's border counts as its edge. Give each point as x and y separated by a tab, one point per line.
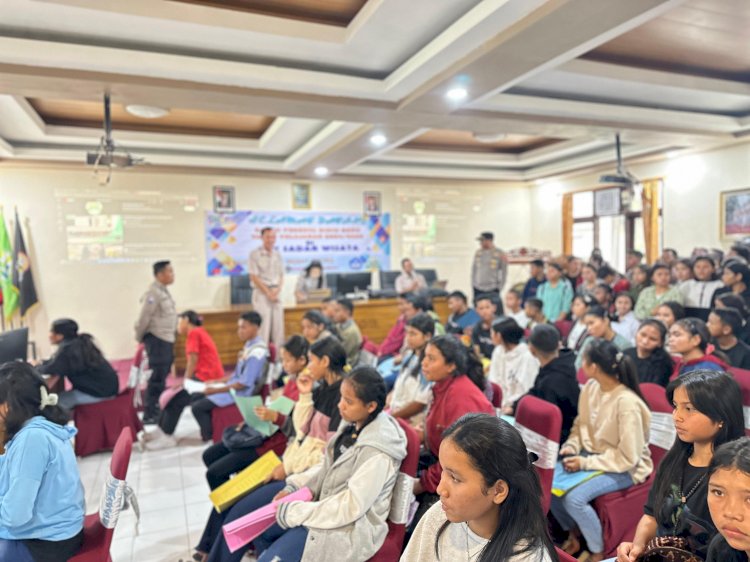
172	493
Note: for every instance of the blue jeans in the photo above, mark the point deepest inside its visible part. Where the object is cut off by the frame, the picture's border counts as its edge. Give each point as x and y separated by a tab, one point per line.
254	500
72	398
574	508
15	551
289	547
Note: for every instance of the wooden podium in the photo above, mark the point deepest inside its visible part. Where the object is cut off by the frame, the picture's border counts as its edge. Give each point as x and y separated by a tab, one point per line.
374	317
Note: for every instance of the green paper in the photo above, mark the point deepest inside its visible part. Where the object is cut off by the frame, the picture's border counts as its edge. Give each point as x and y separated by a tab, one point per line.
247	405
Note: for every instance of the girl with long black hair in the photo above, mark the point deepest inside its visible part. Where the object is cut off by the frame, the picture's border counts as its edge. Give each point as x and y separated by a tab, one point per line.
651	358
490	506
707	413
80	360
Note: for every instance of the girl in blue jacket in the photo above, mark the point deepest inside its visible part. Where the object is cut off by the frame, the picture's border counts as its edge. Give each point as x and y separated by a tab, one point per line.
41	495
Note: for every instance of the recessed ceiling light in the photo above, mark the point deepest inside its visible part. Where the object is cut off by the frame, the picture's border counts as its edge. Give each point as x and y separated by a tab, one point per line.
321	171
457	93
146	111
490	137
378	139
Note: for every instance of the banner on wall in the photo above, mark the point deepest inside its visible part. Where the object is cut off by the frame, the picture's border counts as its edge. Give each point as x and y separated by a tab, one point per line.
341	241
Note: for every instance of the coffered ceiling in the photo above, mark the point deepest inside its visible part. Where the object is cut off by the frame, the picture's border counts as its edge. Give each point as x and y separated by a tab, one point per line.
511	90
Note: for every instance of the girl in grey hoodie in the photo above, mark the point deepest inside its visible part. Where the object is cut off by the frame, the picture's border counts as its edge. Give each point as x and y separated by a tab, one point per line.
353	488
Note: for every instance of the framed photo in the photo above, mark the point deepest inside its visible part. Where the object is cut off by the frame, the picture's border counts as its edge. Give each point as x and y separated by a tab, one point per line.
371	202
301	196
735	213
223	199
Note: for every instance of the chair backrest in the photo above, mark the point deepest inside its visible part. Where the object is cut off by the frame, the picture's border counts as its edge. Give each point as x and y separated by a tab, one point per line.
241	292
540	423
388	279
581	377
662	434
411	461
742	376
118	465
497	394
564	327
430	276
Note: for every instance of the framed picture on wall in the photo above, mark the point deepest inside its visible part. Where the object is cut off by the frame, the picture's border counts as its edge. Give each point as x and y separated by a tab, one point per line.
224	199
371	202
301	196
735	213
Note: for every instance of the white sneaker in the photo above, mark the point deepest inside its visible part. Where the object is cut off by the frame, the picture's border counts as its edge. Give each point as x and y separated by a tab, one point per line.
159	443
146	436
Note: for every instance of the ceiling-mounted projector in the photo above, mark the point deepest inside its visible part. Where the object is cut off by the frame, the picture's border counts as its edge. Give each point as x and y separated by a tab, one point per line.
621	176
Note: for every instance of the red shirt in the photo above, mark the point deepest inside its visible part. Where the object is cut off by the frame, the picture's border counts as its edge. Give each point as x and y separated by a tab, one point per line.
209	365
453	397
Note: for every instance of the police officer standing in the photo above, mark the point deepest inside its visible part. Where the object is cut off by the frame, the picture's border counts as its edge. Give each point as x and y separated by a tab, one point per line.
490	269
267	276
156	327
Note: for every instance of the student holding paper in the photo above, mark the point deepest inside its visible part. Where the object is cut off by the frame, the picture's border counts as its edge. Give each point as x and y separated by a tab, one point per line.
610	434
707	414
352	490
316	418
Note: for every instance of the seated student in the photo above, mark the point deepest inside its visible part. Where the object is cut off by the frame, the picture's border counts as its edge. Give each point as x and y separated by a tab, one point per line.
425	305
641	274
316	419
613	280
352	489
556	293
730	300
556	381
659	292
78	359
462	318
41	495
513	366
573	267
311	280
598	326
203	363
724	324
458	388
736	279
536	268
412	392
328	310
626	324
682	271
535	313
669	312
609	434
489	506
604	297
727	501
579	307
652	360
707	414
513	308
481	338
588	280
314	326
348	331
699	292
247	379
220	461
689	338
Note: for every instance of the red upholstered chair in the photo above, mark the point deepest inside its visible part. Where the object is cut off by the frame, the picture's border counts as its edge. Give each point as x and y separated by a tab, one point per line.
564	556
497	394
620	511
538	418
99	425
394	541
742	377
564	327
581	377
96	537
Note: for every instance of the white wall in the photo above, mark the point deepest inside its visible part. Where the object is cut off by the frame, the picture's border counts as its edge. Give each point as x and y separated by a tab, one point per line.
691	197
104	298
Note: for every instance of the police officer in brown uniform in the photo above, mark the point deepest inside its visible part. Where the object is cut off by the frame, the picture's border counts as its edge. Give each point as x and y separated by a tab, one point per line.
156	328
490	269
267	277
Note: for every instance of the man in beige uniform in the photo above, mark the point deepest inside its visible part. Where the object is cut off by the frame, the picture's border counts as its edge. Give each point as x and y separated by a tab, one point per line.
490	269
267	276
156	327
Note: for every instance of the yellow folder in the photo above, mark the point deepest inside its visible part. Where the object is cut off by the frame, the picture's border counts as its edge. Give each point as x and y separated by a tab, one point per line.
244	482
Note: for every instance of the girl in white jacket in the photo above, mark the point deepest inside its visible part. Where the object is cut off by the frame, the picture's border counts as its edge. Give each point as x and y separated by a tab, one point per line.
513	366
346	521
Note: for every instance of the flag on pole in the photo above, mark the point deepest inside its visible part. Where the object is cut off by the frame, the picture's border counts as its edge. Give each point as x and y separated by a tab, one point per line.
22	278
10	292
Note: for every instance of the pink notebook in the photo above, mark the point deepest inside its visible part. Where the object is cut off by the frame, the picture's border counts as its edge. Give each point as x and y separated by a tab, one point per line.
243	530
